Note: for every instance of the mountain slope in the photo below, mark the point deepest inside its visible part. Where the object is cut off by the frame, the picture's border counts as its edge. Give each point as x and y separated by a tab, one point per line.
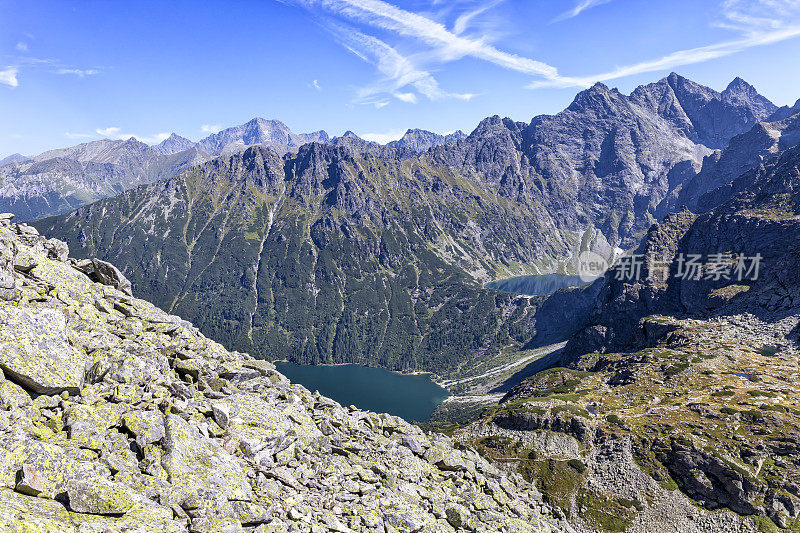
308	259
119	417
677	408
13	158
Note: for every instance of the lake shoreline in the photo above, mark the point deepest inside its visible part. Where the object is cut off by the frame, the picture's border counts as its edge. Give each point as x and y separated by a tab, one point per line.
433	377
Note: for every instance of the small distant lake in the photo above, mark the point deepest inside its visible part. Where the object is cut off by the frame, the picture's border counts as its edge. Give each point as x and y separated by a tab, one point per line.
411	397
537	284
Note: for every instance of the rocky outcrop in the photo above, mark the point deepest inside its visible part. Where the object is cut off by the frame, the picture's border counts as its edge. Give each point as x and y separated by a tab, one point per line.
117	416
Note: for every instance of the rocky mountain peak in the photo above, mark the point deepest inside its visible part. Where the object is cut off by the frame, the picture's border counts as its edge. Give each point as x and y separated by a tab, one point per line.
419	140
494	124
598	97
13	158
258	131
173	144
742	95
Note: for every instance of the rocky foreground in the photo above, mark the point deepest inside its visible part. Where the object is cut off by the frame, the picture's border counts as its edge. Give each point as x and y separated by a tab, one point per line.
117	416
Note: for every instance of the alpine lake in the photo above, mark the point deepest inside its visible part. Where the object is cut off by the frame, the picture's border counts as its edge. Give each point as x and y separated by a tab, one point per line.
412	397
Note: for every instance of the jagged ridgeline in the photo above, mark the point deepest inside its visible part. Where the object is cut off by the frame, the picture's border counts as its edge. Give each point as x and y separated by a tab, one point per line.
353	252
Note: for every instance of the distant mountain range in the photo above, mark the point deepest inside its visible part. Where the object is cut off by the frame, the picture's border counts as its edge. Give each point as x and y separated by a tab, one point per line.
350	251
59	180
13	158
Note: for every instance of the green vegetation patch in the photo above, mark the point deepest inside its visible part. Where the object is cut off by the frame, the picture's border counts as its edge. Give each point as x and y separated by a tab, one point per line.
558	481
607	513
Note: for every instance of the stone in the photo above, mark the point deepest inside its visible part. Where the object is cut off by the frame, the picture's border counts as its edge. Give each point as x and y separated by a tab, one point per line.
196	464
22	514
457	516
31	482
25	261
7	280
414	445
35	351
108	274
222	414
99	496
147	426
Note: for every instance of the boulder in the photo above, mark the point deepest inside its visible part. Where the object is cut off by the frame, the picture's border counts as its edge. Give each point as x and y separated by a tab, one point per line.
35	352
108	274
196	464
99	496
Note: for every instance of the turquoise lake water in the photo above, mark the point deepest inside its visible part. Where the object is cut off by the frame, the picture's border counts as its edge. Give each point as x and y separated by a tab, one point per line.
374	389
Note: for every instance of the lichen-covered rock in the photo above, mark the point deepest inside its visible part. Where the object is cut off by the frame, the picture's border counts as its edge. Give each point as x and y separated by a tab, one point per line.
196	465
35	350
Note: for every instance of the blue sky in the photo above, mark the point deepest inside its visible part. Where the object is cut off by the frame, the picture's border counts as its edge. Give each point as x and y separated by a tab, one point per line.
73	71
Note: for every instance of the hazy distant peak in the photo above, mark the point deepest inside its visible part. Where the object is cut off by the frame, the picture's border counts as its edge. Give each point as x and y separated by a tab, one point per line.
14	158
419	140
173	144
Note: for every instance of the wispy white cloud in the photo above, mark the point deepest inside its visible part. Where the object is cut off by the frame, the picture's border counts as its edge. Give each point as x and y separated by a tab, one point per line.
465	19
385	137
754	22
210	128
443	45
315	84
77	72
114	132
399	71
450	46
21	47
579	8
111	131
9	77
758	23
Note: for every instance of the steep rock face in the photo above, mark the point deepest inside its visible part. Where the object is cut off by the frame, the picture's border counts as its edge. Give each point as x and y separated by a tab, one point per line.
745	152
704	115
164	430
759	218
608	160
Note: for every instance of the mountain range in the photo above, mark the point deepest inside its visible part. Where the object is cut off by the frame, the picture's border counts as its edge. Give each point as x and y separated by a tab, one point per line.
60	180
645	401
349	251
